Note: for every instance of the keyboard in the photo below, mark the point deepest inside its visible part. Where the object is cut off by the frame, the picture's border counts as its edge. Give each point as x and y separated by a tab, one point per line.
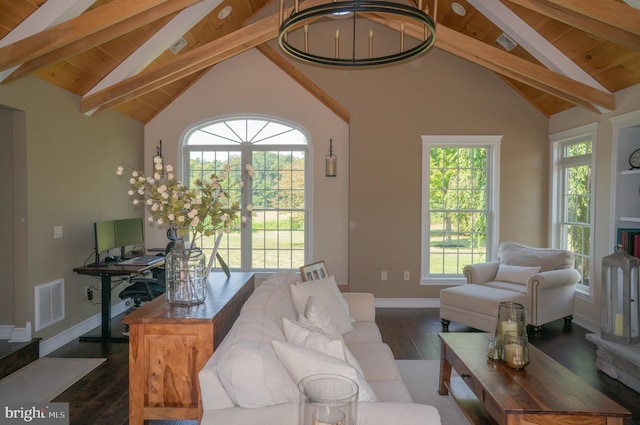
144	260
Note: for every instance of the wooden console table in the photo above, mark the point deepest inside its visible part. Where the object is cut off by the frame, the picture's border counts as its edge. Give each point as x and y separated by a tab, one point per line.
168	346
543	393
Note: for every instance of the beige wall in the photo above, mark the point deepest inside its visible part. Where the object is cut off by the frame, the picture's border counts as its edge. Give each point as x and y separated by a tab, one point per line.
391	108
602	243
6	216
69	180
236	87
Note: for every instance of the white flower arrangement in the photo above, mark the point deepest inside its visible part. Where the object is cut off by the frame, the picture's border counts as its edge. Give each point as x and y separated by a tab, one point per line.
206	208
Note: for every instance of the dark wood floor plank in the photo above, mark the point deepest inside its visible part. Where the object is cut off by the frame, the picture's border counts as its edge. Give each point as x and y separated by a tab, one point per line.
101	397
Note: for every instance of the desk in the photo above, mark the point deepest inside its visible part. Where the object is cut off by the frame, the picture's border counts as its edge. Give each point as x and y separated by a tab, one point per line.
170	344
105	272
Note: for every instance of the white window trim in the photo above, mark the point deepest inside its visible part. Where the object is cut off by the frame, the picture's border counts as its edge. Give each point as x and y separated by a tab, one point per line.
558	140
493	195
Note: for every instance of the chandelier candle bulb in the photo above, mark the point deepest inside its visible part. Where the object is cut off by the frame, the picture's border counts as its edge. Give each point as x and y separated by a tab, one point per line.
371	43
306	38
337	44
402	36
281	14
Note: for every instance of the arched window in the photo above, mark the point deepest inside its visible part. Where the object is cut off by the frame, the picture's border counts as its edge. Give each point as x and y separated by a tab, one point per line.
274	236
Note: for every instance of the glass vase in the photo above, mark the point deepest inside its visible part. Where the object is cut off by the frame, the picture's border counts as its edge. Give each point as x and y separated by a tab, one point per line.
328	399
185	275
510	319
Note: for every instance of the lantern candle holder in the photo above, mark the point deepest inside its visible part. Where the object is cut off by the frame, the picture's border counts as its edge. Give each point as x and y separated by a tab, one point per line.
620	309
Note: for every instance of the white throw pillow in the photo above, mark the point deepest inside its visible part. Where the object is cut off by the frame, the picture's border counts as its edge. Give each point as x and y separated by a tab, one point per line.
327	293
320	316
301	362
515	274
317	340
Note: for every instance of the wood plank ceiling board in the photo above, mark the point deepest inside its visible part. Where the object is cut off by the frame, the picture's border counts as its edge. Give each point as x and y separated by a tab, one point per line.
578	29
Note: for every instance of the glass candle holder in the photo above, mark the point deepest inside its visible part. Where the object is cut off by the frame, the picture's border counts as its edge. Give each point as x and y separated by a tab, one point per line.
516	350
328	399
510	319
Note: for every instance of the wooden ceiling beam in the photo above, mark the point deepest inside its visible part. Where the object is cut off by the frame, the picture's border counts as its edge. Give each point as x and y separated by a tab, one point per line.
186	64
522	70
510	66
90	29
305	82
608	19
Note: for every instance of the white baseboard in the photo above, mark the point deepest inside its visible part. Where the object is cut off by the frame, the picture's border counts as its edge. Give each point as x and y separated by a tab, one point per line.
408	302
588	324
51	344
6	331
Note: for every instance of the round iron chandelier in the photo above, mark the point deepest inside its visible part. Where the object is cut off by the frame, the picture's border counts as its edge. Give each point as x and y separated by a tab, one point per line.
341	33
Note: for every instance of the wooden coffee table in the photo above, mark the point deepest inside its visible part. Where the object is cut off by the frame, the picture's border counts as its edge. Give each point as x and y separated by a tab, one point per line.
544	393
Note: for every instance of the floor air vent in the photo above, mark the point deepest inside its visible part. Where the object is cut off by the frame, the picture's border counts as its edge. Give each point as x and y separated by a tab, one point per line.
49	303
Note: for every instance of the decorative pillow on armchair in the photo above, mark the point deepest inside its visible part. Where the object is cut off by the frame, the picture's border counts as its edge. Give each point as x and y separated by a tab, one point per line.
515	274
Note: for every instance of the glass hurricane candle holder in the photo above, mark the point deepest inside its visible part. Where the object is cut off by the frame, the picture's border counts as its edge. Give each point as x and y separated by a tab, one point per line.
510	319
328	399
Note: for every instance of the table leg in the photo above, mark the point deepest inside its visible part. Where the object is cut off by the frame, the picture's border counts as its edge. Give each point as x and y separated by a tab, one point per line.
445	371
105	300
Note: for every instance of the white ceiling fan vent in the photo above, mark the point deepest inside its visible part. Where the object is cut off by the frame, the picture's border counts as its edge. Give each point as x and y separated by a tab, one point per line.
178	45
506	42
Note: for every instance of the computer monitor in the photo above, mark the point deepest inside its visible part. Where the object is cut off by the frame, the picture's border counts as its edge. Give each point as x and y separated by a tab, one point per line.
128	231
105	237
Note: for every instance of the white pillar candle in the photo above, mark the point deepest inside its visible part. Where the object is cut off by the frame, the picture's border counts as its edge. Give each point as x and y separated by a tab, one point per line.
508	326
513	355
327	416
619	326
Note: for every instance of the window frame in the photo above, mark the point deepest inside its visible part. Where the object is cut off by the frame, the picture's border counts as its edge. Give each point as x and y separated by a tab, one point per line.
492	143
558	166
246	150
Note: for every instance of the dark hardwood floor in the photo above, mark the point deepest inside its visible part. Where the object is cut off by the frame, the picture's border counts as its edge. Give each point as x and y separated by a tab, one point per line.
101	397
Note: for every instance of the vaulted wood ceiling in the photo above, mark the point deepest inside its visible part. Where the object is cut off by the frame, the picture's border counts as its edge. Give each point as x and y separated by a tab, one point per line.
115	53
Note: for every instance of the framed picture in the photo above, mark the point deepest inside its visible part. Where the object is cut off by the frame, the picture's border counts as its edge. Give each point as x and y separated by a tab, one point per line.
314	271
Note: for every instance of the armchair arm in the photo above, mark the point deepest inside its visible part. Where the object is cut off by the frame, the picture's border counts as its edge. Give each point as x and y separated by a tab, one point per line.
553	279
481	272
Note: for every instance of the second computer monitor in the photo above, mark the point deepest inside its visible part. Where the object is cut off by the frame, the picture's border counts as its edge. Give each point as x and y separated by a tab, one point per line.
129	232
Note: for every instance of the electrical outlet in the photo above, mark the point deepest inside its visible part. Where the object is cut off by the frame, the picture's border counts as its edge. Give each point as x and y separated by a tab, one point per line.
407	275
57	232
383	275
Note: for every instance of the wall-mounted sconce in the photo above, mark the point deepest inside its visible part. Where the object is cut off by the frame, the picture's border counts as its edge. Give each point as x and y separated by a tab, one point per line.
331	162
160	160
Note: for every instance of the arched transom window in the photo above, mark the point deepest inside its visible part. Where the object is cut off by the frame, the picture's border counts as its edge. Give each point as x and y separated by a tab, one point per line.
274	236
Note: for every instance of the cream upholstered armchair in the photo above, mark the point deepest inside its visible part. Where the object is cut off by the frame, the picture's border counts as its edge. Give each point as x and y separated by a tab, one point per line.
542	279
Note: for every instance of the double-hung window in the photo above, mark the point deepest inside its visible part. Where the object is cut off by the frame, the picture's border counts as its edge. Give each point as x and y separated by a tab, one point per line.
572	189
459	204
274	233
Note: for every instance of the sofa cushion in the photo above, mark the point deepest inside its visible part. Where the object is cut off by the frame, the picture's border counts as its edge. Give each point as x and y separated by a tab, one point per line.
547	259
392	391
363	332
376	361
515	274
327	293
301	362
479	298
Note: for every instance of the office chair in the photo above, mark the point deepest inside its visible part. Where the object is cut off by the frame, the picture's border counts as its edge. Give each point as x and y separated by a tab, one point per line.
145	288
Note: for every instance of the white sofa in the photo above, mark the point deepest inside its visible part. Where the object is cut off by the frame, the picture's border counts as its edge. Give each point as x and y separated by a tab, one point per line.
543	280
246	382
